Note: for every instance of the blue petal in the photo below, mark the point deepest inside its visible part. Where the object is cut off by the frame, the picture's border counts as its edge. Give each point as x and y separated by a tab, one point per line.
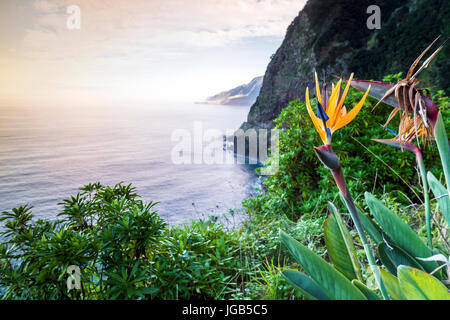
328	133
390	130
321	112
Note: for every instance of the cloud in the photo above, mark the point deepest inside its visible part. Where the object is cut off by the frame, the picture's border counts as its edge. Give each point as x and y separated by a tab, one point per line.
137	43
162	26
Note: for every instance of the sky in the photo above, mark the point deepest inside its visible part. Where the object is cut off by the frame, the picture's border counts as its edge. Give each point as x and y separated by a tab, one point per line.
135	50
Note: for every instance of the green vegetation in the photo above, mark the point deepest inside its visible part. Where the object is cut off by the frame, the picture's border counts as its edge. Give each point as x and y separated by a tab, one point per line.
125	251
303	187
413	270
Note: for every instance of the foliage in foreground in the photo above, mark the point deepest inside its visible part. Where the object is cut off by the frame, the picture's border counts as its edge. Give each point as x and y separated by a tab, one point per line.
125	251
123	248
412	271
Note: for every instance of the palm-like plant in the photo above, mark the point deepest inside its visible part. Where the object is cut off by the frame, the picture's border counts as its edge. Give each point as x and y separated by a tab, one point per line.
17	221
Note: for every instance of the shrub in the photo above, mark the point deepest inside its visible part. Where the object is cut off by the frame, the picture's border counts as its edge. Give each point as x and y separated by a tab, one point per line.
122	247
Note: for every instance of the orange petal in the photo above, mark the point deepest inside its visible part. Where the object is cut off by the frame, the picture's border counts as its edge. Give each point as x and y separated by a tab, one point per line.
341	102
352	114
316	121
332	104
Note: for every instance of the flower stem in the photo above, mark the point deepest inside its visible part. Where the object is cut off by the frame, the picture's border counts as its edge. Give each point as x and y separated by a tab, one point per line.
423	174
338	176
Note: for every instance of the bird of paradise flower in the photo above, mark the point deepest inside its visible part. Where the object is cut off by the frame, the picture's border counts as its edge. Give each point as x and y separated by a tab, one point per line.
332	113
331	116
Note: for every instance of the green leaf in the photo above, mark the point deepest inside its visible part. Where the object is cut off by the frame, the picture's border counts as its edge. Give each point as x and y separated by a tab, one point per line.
370	295
305	284
399	232
370	227
333	283
392	256
441	194
149	290
419	285
392	285
339	245
444	150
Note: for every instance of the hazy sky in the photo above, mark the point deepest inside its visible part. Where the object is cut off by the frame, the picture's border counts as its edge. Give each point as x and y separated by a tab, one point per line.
135	50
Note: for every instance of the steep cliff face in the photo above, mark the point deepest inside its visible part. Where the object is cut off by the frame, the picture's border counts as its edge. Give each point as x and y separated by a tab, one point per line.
402	38
244	95
331	36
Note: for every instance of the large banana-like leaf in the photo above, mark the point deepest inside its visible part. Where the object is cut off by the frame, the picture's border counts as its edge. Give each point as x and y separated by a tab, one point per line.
399	232
305	284
392	285
441	195
392	256
332	282
371	228
370	295
444	149
340	245
419	285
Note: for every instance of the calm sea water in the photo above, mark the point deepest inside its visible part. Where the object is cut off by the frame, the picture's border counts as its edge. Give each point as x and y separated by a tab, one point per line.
46	154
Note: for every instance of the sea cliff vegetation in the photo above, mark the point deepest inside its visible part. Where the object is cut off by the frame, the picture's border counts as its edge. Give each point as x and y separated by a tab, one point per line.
126	251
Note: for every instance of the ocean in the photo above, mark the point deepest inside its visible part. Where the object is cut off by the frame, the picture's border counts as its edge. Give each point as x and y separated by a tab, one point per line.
46	154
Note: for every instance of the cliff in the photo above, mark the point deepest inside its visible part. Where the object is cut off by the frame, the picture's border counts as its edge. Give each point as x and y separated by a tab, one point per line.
332	37
244	95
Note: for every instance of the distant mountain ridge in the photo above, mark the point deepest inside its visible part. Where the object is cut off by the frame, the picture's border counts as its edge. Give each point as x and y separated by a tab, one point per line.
243	95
